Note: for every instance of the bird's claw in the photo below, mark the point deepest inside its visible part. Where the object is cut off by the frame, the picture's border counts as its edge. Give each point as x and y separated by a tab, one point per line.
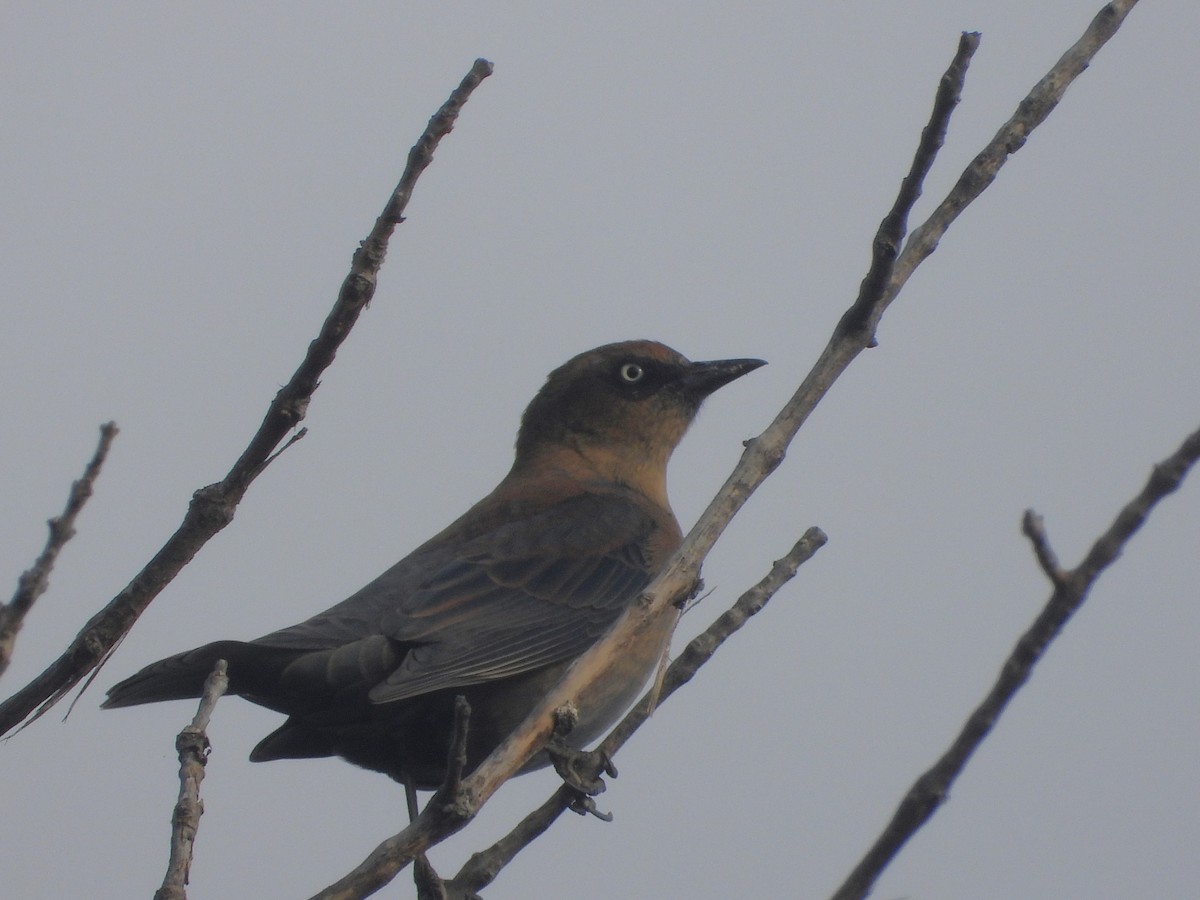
581	769
584	805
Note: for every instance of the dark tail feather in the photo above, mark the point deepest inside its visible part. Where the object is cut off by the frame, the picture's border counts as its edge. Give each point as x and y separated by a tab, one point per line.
178	677
293	740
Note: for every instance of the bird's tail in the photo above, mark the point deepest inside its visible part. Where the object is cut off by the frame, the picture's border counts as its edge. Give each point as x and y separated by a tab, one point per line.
178	677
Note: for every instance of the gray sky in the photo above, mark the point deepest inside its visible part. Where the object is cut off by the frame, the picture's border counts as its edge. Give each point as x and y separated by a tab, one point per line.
182	187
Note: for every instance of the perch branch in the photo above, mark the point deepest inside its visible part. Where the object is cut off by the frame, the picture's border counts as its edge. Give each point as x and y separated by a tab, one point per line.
483	867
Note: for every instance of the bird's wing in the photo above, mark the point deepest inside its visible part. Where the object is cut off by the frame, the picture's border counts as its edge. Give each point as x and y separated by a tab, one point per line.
531	591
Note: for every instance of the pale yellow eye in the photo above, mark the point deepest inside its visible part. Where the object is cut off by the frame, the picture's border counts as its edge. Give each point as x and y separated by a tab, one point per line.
631	373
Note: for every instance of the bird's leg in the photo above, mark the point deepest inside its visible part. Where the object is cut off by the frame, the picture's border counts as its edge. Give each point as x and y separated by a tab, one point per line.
579	769
429	884
410	797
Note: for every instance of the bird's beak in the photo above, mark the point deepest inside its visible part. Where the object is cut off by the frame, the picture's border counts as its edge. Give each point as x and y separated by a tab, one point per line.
702	378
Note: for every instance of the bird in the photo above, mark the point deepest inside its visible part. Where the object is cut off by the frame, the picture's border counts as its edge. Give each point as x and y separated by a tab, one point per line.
497	605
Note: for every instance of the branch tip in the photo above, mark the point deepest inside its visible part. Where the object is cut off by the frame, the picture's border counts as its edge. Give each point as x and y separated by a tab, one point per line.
34	581
1034	528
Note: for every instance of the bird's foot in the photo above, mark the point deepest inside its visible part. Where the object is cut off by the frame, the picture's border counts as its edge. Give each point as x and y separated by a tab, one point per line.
580	770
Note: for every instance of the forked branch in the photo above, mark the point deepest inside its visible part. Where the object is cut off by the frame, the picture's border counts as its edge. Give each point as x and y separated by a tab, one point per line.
1070	590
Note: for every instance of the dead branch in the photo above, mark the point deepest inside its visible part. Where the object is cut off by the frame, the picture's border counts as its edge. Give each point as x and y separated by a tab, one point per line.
1070	591
34	580
193	748
212	507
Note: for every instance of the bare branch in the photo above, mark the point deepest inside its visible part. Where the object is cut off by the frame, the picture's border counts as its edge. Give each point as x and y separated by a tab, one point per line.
1070	590
439	820
863	316
212	507
193	748
393	855
483	867
34	580
1011	137
702	647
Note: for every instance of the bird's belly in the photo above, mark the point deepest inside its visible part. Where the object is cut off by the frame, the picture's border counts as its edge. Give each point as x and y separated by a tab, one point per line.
608	695
410	738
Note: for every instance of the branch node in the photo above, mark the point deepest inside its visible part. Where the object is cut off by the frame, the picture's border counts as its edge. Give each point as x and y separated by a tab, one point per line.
566	717
193	748
1034	528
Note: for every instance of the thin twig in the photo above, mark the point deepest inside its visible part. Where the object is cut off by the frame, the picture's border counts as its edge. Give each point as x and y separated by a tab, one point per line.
212	507
863	316
295	438
34	580
193	747
1011	137
1034	528
931	789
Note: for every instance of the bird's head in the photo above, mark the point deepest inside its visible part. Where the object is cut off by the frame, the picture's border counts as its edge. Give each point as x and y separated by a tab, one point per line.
620	410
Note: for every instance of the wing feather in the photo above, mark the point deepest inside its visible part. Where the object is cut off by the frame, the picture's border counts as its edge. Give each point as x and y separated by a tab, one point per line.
530	591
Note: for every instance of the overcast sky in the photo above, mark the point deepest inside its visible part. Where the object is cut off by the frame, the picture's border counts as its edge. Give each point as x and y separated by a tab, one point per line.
182	188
